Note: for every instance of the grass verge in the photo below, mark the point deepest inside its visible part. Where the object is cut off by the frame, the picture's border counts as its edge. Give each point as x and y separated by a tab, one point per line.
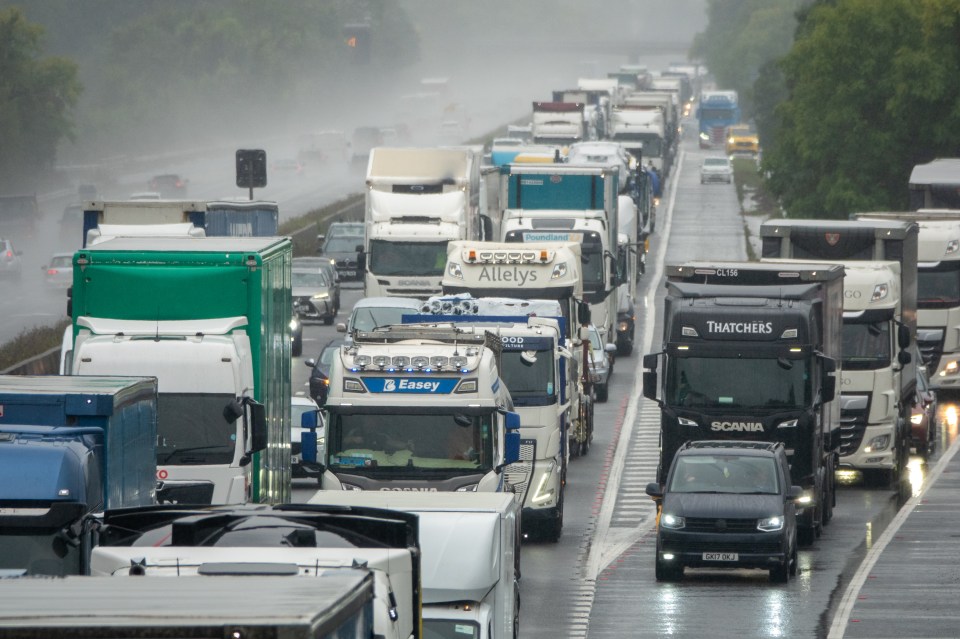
30	343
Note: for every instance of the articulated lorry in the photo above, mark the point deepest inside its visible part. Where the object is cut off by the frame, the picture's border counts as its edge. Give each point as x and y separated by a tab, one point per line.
417	200
535	271
935	185
70	447
558	123
210	319
938	292
299	541
551	203
419	408
129	213
749	353
336	605
717	112
471	558
879	320
534	368
631	262
651	107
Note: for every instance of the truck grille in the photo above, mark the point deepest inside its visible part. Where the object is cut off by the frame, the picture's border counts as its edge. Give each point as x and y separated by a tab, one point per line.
714	525
518	474
854	410
930	343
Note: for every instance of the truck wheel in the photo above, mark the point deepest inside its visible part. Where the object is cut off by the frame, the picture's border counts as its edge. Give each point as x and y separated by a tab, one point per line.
881	478
574	447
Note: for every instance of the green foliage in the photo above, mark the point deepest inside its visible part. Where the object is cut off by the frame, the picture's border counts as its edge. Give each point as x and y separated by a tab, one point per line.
37	96
873	91
30	343
741	37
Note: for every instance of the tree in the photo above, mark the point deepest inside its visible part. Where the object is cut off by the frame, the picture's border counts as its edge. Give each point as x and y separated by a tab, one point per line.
37	96
872	91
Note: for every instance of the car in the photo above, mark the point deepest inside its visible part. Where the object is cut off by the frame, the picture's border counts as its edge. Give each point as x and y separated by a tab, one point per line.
288	166
58	273
296	335
169	185
727	504
328	267
320	370
716	169
371	312
299	405
10	263
343	243
923	416
742	140
312	298
601	364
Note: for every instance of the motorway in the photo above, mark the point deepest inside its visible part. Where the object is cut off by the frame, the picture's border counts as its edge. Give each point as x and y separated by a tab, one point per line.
598	580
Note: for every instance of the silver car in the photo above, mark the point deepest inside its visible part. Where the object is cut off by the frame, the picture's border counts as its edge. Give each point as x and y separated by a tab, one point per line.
59	272
601	364
9	260
312	295
716	169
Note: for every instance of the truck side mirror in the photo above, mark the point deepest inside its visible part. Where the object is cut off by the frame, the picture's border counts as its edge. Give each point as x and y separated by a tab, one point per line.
258	426
650	363
903	337
583	313
828	390
309	419
308	446
654	490
511	441
361	259
904	357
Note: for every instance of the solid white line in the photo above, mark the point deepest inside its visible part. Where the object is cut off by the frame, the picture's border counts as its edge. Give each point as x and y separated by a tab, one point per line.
602	554
839	625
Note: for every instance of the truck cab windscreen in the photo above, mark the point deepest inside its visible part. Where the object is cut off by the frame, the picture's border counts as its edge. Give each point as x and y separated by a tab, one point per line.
529	376
592	264
939	286
866	345
424	259
390	443
192	431
737	382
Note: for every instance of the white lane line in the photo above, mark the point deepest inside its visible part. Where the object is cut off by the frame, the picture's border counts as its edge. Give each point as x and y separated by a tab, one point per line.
602	553
839	625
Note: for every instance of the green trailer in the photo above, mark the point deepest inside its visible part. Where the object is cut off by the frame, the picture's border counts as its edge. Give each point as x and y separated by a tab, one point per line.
210	319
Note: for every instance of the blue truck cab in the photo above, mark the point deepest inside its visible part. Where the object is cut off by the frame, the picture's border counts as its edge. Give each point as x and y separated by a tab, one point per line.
70	447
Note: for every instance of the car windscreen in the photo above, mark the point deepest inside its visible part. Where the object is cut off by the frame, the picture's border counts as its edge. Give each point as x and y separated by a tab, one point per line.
724	473
309	279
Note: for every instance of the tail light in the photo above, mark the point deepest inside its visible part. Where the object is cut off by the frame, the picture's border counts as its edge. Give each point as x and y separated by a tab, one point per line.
52	271
9	253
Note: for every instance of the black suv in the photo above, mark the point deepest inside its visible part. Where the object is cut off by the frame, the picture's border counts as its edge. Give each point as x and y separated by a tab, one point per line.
343	244
727	504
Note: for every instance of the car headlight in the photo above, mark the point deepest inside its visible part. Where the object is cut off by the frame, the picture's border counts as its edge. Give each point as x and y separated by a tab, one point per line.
294	324
672	521
877	444
623	326
916	418
770	524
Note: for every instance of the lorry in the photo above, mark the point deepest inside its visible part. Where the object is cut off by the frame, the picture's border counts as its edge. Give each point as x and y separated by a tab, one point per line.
716	112
535	271
69	448
299	541
470	564
641	131
565	203
749	352
935	185
242	218
879	376
534	368
558	123
127	213
658	152
417	200
631	260
333	606
210	319
938	292
594	109
418	408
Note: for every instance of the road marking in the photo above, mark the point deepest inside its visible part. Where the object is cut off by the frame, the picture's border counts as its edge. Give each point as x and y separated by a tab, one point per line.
839	625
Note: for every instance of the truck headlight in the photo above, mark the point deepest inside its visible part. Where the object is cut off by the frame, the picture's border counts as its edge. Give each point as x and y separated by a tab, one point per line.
672	521
950	368
877	444
543	493
770	524
454	270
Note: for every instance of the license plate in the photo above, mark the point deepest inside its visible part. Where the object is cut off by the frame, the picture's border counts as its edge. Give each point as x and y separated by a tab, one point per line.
348	273
720	556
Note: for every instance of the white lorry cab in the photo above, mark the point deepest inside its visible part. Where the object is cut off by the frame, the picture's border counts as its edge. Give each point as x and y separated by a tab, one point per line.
417	200
470	558
419	409
535	271
534	366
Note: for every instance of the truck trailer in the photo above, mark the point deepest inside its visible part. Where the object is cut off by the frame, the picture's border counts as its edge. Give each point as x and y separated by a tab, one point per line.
210	319
749	352
70	447
879	321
